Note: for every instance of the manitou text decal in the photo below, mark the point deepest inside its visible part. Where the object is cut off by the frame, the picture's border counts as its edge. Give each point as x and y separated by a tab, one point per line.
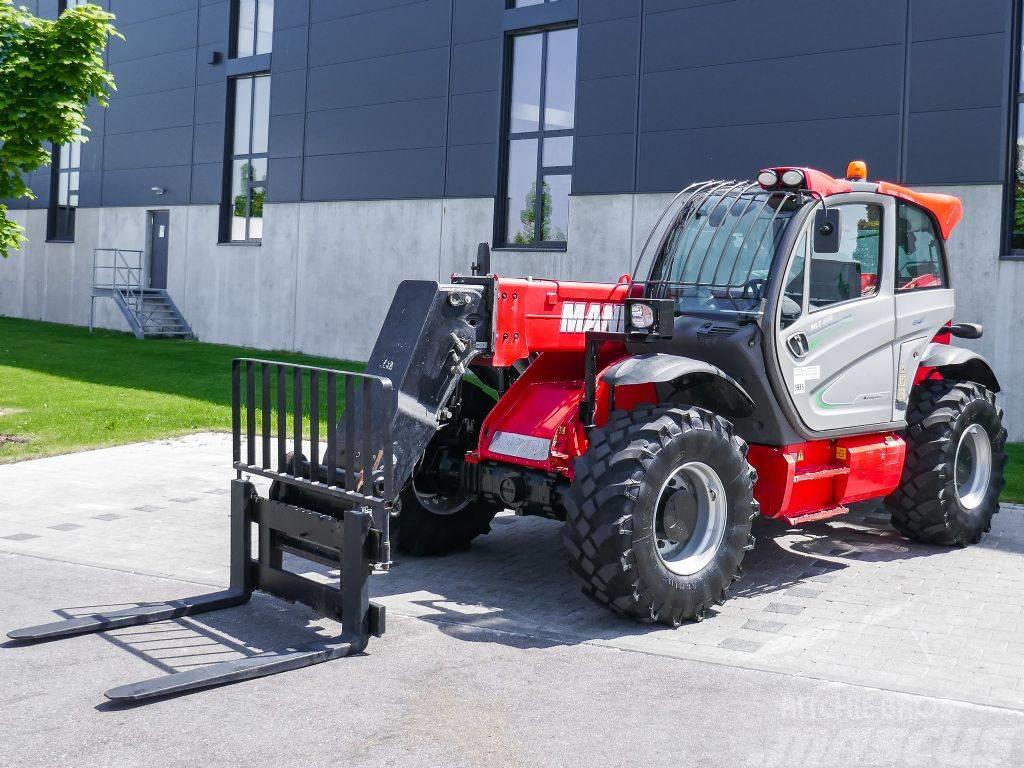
582	316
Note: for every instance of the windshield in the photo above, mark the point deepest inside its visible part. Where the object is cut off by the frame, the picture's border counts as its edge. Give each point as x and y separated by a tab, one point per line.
719	248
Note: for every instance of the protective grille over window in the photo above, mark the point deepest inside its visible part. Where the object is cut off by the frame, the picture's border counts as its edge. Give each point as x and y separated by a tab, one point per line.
718	252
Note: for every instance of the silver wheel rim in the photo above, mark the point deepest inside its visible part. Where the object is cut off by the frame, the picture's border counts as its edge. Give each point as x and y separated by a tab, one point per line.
972	466
438	503
690	518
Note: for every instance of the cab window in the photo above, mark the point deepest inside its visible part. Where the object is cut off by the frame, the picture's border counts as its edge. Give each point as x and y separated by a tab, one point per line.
919	261
854	271
793	288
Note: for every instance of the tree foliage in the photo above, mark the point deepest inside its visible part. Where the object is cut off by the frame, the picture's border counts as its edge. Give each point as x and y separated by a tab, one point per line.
49	71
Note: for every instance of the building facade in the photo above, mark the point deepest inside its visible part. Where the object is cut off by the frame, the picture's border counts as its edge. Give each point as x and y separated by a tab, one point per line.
299	158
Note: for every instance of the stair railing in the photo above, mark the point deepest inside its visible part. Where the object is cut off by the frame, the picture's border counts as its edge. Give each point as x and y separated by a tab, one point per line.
120	270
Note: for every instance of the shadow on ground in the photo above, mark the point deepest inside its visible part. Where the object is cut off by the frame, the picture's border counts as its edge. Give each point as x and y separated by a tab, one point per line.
513	588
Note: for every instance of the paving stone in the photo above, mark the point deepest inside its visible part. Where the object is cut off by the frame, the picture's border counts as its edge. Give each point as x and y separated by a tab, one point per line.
946	622
763	626
735	644
784	608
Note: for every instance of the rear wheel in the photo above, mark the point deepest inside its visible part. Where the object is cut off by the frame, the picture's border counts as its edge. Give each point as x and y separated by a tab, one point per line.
659	513
953	473
435	513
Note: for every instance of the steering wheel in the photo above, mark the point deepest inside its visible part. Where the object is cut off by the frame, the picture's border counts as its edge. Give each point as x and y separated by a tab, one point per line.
754	287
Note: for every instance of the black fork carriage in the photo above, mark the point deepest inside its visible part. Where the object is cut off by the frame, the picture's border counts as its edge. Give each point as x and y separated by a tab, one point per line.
333	512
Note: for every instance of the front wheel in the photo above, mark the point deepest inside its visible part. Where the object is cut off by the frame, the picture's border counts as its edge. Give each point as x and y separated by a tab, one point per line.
659	513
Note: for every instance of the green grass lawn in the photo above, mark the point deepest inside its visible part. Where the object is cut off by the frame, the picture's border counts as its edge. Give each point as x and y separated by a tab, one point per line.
62	389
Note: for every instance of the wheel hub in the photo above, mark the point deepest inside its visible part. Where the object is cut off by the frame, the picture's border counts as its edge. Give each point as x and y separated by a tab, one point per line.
690	518
973	466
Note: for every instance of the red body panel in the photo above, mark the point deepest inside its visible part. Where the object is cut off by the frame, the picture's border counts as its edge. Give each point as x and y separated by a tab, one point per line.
552	316
797	481
544	403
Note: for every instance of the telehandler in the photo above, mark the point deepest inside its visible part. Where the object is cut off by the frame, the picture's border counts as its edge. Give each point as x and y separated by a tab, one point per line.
782	348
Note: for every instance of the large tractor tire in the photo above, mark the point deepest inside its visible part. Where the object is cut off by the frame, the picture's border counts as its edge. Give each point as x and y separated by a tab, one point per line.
953	473
435	515
659	513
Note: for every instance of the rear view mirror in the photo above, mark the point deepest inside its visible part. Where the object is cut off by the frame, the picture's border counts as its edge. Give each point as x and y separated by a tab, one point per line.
827	226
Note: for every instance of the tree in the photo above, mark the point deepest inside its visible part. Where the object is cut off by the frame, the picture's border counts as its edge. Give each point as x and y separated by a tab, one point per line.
49	71
528	217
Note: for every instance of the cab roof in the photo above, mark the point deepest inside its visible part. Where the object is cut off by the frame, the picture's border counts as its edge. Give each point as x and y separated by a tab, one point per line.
946	209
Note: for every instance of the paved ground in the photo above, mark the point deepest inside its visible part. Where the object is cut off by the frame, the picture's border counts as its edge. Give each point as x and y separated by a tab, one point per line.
844	645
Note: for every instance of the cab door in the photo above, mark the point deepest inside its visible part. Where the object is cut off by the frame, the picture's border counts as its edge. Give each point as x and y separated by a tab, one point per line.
836	335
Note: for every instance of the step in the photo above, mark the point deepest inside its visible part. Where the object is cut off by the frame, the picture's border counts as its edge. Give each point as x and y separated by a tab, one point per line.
820	472
816	515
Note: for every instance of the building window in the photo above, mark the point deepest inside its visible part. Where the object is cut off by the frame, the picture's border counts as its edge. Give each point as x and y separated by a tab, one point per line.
254	27
524	3
247	185
540	118
1015	191
64	175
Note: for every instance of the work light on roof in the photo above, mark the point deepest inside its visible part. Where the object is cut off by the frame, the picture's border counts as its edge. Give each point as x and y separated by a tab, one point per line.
768	178
793	178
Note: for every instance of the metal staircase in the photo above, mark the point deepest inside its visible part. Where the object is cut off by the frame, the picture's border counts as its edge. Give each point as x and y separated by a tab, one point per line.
118	274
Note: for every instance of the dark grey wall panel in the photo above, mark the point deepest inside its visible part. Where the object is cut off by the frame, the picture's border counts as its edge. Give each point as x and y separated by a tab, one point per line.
375	128
373	175
476	66
393	30
133	186
671	159
162	34
207	184
604	164
472	170
208	143
952	18
474	117
165	72
477	20
606	106
148	149
961	146
957	73
401	77
149	111
284	179
286	135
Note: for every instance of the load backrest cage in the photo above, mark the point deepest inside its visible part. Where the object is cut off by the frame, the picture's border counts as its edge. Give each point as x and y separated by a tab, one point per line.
355	465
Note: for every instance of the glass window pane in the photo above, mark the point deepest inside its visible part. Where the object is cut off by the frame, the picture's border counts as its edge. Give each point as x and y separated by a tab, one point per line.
793	296
73	181
853	272
258	169
558	152
241	170
73	201
259	194
76	155
560	93
65	156
526	58
265	27
555	227
918	251
243	114
246	27
522	188
62	189
260	115
1017	234
524	3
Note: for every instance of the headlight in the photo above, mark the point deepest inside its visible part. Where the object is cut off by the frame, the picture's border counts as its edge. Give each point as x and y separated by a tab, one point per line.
793	178
641	316
767	179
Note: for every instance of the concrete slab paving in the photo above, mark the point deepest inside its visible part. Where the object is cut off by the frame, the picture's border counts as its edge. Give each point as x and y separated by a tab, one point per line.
844	644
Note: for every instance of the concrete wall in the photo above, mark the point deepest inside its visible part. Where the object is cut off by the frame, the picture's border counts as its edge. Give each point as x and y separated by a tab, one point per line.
323	278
